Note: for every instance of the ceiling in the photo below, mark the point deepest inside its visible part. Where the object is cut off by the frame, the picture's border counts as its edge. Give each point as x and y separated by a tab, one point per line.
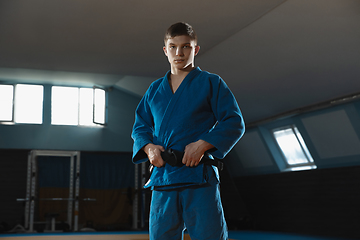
275	55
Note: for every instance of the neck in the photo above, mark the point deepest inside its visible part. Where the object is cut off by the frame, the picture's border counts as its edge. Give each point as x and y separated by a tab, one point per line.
177	77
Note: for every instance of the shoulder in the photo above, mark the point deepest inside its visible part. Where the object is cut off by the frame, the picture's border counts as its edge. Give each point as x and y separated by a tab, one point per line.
214	79
209	75
154	86
156	83
215	83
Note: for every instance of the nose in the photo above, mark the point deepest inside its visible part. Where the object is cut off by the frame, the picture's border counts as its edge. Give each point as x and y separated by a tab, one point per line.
179	51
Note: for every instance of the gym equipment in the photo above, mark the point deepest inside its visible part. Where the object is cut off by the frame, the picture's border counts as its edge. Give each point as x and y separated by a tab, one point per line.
73	201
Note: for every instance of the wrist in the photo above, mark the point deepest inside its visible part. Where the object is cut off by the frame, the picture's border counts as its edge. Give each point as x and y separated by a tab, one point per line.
205	145
147	147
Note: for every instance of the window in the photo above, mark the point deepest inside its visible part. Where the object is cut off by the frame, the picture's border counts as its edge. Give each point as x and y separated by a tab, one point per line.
6	103
293	148
99	106
29	103
64	105
24	105
86	106
77	106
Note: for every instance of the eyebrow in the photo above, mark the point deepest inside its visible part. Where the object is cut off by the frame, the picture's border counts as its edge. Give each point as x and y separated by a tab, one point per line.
181	44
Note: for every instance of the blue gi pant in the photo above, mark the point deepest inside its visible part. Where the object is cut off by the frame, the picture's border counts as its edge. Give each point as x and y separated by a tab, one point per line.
195	208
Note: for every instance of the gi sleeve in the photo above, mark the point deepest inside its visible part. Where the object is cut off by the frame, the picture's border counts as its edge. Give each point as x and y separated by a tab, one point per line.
230	125
142	133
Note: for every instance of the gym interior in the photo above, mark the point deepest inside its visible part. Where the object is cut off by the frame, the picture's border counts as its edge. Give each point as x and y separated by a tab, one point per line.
293	66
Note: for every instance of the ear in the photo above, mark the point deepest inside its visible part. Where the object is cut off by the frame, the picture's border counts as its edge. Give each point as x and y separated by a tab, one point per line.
165	51
197	49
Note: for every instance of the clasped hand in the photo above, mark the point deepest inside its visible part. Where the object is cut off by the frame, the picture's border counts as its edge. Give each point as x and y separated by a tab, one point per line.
192	155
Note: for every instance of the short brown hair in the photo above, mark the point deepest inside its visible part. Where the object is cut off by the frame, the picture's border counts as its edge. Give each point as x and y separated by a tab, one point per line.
179	29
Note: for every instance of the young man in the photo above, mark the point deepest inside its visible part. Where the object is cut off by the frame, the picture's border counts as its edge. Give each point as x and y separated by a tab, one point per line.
192	112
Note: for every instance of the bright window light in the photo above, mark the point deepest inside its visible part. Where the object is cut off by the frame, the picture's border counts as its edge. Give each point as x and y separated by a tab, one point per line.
75	106
293	147
86	107
65	106
99	106
6	102
29	103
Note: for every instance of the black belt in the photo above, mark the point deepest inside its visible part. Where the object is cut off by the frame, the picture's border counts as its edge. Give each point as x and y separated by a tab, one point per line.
174	158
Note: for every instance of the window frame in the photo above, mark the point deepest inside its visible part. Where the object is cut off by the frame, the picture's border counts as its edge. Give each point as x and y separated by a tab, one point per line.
94	106
310	164
13	104
16	104
14	100
94	123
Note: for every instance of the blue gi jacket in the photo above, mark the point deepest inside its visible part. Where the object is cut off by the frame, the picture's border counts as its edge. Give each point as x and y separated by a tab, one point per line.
202	107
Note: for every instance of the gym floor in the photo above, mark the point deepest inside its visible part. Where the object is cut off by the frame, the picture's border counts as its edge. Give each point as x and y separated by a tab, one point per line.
233	235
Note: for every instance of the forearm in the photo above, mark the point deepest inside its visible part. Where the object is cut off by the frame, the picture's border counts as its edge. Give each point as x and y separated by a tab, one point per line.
147	148
204	146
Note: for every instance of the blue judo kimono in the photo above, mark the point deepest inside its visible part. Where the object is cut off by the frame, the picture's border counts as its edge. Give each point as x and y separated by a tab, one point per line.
202	107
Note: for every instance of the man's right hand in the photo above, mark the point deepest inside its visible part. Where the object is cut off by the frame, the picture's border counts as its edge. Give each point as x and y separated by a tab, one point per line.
154	154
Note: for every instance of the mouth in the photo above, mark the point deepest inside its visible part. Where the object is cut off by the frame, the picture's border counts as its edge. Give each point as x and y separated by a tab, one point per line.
178	60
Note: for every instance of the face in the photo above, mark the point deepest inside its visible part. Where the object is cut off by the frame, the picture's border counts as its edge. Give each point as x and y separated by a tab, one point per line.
180	51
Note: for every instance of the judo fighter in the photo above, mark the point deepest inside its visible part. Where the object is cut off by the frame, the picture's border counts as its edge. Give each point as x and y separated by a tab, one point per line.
185	122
